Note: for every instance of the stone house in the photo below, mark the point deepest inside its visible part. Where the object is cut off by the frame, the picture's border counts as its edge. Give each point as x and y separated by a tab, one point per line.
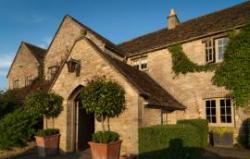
26	66
143	66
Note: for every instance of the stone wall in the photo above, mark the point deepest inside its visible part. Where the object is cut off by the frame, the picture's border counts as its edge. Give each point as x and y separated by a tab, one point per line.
191	89
63	41
93	64
25	64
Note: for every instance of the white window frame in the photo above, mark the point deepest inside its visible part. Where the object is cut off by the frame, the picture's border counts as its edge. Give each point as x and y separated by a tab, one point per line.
138	63
219	122
209	51
220	48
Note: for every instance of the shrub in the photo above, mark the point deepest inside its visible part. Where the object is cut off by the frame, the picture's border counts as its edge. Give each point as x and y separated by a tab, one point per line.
47	132
105	137
43	103
8	102
169	141
202	126
17	128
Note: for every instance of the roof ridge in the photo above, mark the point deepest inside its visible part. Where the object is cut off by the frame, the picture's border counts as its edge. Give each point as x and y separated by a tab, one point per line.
88	28
33	45
182	23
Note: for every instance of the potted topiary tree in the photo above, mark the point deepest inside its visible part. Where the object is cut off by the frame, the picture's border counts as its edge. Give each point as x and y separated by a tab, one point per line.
106	99
49	105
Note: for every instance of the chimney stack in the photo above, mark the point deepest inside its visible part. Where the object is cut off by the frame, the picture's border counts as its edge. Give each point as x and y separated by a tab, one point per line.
173	20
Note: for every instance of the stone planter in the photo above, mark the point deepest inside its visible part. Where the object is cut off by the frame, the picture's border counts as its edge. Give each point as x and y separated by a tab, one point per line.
47	145
105	151
222	140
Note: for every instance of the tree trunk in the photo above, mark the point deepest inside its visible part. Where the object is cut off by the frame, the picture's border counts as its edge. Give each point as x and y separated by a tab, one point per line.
103	127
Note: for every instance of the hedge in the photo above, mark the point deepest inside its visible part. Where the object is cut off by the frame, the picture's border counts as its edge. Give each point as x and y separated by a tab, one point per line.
17	128
180	141
202	125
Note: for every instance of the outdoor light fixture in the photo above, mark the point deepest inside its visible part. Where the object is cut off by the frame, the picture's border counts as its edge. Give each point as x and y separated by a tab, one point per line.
74	66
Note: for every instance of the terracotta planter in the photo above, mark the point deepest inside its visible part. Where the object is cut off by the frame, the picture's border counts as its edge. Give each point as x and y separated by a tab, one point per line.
47	145
105	151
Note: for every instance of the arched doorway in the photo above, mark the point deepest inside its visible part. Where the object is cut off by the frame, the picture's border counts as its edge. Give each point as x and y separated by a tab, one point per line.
83	123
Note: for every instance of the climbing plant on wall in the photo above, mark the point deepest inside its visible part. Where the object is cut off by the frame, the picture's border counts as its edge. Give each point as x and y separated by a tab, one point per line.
182	64
233	72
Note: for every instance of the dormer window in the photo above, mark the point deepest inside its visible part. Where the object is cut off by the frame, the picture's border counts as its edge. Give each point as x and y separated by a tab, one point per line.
51	72
140	63
215	49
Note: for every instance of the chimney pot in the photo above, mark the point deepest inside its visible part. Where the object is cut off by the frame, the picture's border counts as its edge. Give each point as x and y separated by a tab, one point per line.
173	20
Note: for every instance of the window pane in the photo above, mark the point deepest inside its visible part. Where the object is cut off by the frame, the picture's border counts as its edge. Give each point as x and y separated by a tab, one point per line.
144	66
208	111
213	110
222	102
223	119
213	103
213	119
228	109
222	111
229	119
228	102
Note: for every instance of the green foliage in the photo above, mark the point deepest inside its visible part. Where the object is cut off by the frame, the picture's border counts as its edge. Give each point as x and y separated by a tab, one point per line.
179	141
181	63
17	128
105	137
103	97
47	132
8	102
202	126
221	130
234	72
43	103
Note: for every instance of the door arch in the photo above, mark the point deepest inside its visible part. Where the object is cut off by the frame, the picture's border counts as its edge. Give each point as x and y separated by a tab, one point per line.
82	124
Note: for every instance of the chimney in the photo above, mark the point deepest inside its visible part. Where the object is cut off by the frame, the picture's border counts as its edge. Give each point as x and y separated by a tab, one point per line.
173	20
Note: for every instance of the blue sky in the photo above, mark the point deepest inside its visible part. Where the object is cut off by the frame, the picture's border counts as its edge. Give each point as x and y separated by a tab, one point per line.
36	21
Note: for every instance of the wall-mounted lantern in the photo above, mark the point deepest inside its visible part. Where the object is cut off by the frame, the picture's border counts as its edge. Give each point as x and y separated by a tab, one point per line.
74	66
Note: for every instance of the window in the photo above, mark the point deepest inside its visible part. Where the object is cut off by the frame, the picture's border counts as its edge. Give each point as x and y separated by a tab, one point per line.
209	51
16	84
215	49
28	80
221	45
168	117
219	110
140	63
51	72
225	109
211	111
